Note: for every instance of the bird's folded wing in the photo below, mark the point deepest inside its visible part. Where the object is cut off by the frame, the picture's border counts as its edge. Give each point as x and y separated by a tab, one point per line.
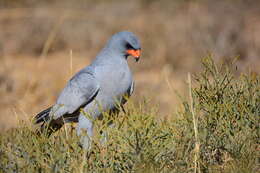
79	91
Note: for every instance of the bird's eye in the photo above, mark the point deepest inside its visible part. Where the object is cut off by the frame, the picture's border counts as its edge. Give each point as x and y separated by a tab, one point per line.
129	46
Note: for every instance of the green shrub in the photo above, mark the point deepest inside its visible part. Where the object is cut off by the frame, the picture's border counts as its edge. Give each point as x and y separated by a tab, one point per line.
229	115
225	110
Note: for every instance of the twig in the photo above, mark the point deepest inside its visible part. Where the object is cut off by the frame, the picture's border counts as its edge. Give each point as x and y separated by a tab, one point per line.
195	126
71	63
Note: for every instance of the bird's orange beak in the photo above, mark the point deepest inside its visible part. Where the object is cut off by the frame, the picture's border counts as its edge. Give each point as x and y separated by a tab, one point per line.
135	53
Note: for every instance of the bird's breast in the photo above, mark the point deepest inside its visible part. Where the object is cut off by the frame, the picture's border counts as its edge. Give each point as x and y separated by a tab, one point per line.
114	82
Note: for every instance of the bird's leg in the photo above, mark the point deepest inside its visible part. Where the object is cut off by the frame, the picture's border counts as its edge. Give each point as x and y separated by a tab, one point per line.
85	131
104	133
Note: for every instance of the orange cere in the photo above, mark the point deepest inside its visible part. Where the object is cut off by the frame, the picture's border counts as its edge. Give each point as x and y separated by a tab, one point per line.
134	53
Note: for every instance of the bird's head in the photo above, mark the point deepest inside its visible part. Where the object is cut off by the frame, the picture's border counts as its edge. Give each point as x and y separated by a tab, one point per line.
126	43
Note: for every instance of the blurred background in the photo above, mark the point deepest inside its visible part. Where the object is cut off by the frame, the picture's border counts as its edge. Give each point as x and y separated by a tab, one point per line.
43	43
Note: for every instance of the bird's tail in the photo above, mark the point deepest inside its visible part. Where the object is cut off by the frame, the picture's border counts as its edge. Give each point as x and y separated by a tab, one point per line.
43	116
48	125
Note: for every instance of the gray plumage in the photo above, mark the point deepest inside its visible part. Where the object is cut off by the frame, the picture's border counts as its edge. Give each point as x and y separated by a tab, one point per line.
100	87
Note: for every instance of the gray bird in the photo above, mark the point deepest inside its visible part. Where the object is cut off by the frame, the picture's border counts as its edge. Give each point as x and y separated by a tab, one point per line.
100	87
